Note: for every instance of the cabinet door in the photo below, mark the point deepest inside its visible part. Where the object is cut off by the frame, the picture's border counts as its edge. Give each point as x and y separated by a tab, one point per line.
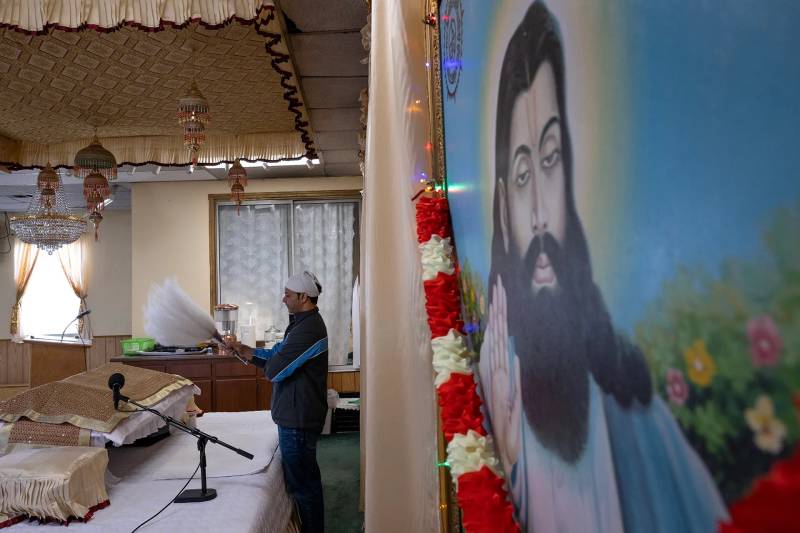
235	394
264	394
206	400
149	366
233	369
190	369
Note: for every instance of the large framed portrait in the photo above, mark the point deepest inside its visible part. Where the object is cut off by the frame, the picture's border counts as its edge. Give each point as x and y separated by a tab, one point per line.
624	191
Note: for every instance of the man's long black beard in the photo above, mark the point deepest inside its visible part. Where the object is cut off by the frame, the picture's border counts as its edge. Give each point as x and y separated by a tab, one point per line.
563	335
551	345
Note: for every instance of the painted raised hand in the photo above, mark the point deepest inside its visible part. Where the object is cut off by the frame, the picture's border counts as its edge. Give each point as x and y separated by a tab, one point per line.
505	401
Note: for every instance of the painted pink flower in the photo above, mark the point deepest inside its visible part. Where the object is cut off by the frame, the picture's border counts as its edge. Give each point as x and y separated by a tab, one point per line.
677	389
765	341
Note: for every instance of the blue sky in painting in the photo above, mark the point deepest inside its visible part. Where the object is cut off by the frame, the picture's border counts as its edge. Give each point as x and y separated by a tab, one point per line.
713	118
715	110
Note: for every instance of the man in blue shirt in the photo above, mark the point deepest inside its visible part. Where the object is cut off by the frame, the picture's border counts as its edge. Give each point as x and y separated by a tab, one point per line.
298	369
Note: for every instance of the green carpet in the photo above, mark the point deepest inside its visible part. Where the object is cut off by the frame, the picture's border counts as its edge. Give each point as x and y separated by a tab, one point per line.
338	458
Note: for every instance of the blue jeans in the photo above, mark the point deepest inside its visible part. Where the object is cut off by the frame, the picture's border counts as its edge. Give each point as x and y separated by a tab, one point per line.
301	471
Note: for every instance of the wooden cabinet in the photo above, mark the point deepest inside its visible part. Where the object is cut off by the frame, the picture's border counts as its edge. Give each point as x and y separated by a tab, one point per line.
226	384
344	380
51	361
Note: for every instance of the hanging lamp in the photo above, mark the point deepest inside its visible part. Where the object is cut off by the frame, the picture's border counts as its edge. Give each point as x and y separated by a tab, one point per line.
95	190
97	166
193	115
237	179
95	158
47	182
96	217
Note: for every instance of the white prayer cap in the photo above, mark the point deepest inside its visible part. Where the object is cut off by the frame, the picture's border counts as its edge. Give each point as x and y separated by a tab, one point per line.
305	283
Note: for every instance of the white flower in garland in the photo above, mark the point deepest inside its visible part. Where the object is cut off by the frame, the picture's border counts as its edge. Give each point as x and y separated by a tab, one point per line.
450	354
437	256
469	453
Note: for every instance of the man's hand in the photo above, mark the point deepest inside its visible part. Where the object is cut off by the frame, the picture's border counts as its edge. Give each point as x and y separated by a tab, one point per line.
505	395
242	349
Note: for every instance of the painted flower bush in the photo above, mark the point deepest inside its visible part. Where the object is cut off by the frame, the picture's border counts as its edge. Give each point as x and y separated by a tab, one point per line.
677	388
473	303
765	341
768	431
724	351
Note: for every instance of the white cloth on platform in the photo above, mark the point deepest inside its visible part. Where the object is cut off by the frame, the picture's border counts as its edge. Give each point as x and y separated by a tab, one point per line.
244	504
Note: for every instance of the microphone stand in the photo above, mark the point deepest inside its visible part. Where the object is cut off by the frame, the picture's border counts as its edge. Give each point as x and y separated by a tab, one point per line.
191	495
79	333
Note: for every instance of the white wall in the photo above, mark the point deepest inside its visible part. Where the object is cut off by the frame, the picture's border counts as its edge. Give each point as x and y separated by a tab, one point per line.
109	284
170	228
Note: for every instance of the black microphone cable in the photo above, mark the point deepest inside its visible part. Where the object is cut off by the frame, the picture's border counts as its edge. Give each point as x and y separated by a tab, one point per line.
170	502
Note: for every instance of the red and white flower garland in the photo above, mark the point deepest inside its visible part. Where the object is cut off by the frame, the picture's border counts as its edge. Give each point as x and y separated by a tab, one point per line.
480	488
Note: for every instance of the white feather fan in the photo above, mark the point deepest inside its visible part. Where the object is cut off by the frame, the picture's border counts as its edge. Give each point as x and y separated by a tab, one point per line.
173	319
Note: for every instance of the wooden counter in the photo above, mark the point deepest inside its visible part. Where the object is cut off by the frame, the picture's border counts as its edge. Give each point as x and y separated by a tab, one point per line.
227	384
51	361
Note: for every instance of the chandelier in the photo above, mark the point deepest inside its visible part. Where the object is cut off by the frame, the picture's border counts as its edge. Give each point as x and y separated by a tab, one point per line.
237	179
48	223
193	116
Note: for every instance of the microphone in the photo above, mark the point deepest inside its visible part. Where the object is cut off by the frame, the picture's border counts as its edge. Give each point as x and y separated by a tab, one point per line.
115	383
80	315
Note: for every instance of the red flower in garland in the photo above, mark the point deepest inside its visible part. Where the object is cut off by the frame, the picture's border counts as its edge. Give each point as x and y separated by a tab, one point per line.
484	505
481	495
433	217
443	304
460	406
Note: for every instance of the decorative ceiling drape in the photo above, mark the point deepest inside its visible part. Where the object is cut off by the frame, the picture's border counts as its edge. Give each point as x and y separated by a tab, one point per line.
165	150
38	15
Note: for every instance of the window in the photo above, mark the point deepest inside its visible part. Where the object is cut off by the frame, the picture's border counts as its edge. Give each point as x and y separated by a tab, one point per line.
270	239
49	303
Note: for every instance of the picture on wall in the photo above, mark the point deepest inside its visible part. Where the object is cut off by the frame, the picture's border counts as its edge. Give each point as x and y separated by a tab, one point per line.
625	197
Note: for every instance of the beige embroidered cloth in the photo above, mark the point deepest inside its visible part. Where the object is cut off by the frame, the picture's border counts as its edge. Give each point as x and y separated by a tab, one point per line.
52	482
85	401
25	433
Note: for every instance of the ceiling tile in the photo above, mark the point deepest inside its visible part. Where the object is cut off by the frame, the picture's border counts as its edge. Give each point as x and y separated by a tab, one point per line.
337	140
313	15
342	169
333	92
329	54
345	118
340	156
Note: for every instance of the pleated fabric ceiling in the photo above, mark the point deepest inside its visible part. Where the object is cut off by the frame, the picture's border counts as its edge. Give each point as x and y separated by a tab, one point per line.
71	68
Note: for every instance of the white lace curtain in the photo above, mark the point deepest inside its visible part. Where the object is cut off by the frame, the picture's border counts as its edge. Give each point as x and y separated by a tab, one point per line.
323	244
253	262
